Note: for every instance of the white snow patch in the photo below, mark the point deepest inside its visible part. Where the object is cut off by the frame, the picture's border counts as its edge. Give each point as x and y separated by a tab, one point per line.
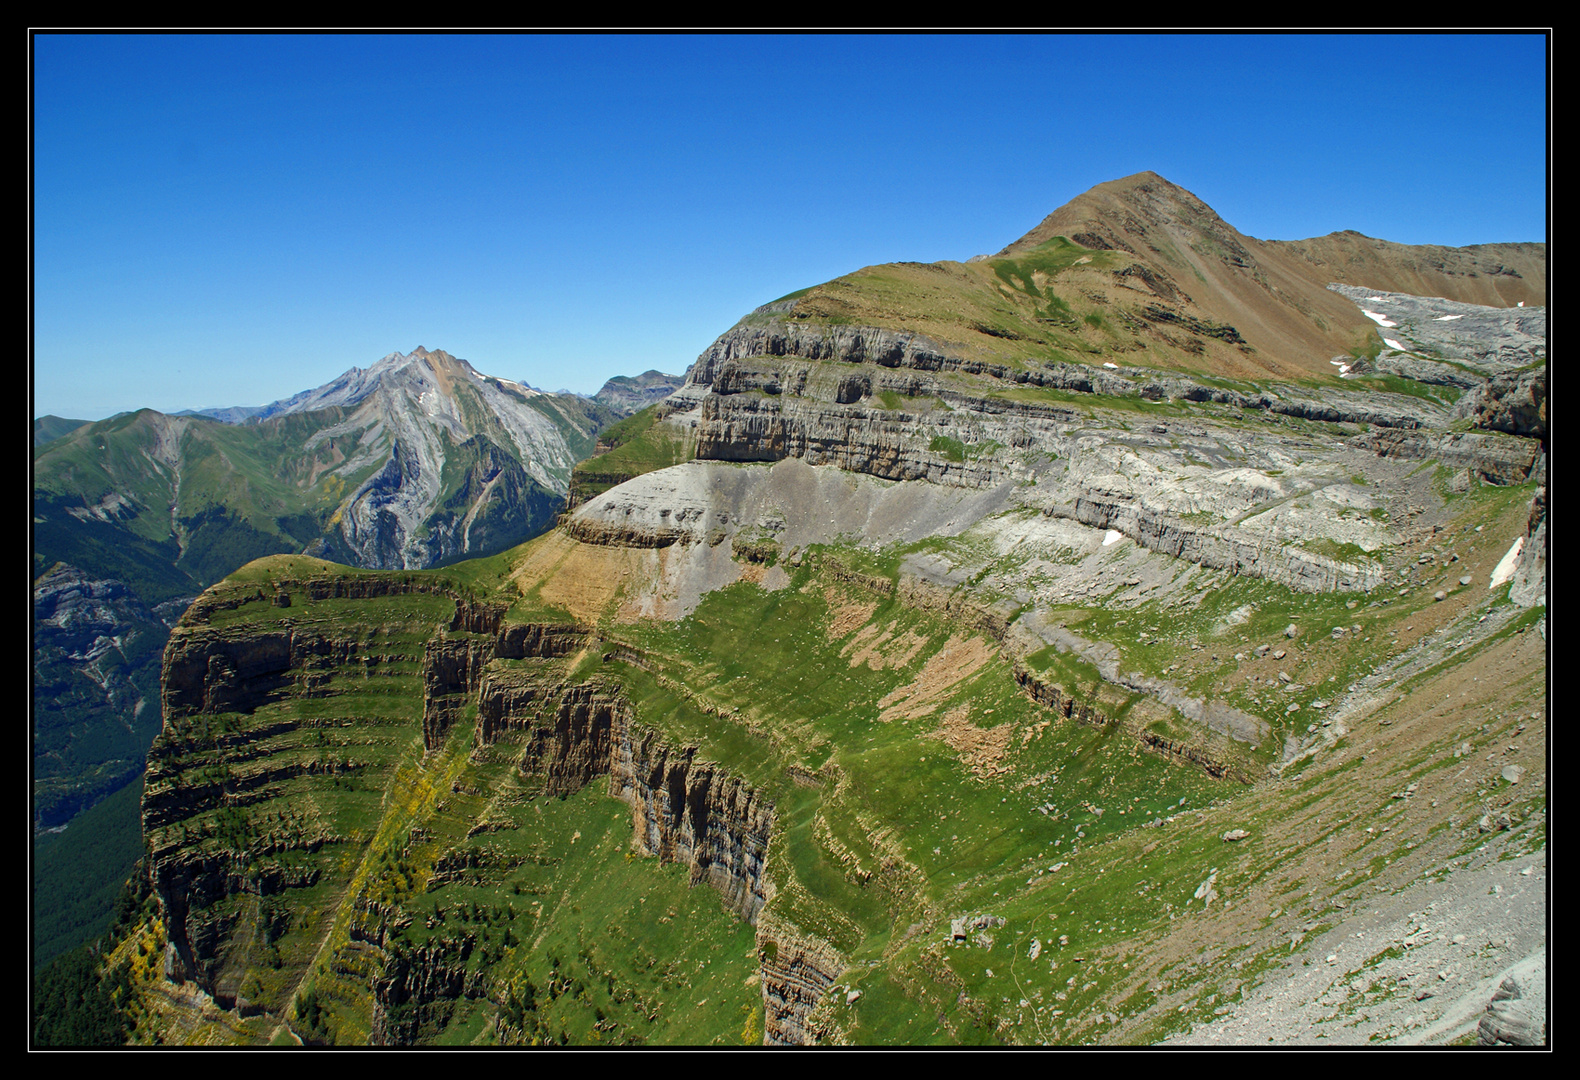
1380	320
1505	568
1344	368
1392	344
1113	536
1447	318
1376	300
1520	304
1114	366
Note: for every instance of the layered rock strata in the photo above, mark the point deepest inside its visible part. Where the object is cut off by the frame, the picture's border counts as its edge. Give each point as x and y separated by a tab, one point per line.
1222	548
684	809
1495	459
1054	699
797	970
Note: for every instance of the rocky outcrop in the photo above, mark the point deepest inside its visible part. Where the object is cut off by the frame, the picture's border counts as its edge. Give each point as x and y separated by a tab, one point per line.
419	988
684	809
1510	1020
954	606
1514	402
893	446
1488	338
1221	548
797	970
592	530
572	736
1054	699
453	666
238	669
1333	407
452	669
851	344
1529	584
690	811
1496	459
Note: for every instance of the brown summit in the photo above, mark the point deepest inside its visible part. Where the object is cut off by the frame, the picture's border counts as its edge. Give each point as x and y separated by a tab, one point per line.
1274	293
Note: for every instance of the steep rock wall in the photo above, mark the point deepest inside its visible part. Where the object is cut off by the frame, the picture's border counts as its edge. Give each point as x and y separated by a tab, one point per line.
1513	402
797	970
690	811
684	809
1495	458
453	666
419	988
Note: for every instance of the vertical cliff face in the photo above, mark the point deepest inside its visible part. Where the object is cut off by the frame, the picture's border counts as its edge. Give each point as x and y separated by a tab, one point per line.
797	970
419	987
683	810
453	666
691	812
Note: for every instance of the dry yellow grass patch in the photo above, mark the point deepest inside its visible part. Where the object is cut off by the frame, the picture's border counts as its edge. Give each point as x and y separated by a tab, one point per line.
845	616
960	658
583	579
982	750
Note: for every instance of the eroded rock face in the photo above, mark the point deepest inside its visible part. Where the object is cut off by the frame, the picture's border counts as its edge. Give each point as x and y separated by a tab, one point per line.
1515	402
692	812
1529	585
420	986
797	970
1510	1020
1496	459
96	656
683	809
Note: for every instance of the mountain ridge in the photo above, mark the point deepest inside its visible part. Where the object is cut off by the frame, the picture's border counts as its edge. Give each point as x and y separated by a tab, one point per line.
1029	651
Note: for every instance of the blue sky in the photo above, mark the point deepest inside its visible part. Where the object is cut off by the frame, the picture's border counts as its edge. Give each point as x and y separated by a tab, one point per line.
229	220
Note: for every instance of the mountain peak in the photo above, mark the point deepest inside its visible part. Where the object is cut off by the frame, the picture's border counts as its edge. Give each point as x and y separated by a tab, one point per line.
1118	213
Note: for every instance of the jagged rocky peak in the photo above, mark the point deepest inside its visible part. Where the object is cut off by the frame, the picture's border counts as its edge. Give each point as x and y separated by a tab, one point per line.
420	366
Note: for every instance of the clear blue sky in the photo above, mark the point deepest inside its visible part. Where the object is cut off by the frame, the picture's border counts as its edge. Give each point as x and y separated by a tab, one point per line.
229	220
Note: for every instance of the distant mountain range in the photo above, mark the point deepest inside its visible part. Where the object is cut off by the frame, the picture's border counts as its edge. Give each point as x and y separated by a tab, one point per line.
414	461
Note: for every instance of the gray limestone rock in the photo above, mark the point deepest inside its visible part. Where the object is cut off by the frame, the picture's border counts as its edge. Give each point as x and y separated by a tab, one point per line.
1510	1020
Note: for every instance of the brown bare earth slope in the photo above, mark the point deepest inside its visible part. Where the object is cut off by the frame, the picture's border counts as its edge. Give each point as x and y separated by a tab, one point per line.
1493	275
1273	293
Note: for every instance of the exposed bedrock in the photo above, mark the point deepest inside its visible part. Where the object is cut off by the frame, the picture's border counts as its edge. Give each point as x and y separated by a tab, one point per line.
853	344
452	668
894	446
419	988
794	505
797	970
1514	402
761	359
683	809
1489	338
1529	585
791	503
237	670
1054	699
1496	459
1222	548
691	812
